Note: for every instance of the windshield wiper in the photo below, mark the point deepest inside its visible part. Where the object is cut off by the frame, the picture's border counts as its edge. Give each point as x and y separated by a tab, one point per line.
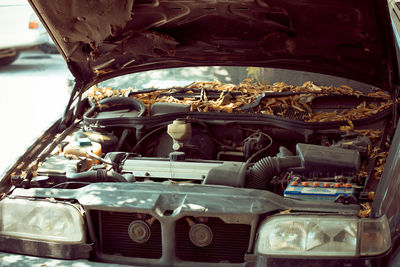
150	90
201	94
182	92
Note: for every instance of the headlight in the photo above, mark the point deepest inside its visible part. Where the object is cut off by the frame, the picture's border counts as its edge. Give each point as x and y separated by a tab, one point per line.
310	235
41	220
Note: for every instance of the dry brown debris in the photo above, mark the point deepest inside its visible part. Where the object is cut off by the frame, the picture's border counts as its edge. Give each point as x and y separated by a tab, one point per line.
300	104
286	211
98	93
365	210
372	134
380	157
363	110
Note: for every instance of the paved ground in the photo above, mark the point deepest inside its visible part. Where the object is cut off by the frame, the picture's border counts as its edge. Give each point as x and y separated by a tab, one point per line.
33	93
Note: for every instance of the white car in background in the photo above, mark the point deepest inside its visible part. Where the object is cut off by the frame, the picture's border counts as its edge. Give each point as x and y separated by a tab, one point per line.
20	29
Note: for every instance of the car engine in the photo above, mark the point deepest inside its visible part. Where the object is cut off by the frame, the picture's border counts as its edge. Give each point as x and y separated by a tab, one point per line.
323	164
152	136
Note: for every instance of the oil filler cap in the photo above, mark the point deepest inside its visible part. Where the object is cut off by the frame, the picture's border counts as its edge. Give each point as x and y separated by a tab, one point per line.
139	231
200	235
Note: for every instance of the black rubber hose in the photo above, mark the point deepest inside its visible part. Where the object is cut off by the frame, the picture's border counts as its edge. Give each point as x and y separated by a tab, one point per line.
262	172
125	102
113	176
117	103
266	168
95	176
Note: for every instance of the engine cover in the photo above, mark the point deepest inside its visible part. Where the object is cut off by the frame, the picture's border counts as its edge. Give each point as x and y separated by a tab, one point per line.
209	172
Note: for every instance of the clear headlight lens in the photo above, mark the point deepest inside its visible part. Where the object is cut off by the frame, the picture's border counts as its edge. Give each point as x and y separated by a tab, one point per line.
41	220
322	236
375	236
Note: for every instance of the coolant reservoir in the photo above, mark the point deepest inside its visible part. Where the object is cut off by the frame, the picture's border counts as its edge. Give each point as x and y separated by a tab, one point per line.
80	148
180	132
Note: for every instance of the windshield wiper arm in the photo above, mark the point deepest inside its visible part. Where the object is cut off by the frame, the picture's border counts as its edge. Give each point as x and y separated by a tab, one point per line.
150	90
181	92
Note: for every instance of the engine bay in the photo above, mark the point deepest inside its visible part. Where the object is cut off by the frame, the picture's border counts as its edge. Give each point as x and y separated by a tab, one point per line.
123	139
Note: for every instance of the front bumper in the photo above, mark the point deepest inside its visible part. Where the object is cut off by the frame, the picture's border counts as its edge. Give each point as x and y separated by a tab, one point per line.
233	214
260	261
16	260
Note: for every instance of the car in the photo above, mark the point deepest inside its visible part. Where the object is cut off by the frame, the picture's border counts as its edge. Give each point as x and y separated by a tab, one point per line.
214	133
20	29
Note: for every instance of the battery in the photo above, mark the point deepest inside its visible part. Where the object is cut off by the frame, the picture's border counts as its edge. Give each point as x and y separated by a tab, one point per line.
318	190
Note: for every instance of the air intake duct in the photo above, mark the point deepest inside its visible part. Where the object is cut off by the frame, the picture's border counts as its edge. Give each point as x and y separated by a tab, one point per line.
263	170
310	159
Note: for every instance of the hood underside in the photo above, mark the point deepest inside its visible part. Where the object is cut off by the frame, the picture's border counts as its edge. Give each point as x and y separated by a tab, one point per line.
101	39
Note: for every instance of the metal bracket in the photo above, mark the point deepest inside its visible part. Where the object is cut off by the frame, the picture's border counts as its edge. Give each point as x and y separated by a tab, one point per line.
65	120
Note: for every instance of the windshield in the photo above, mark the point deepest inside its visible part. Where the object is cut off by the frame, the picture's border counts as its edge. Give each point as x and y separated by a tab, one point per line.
179	77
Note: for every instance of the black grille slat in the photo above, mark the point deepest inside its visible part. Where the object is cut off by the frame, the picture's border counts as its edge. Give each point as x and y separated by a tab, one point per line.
115	240
230	242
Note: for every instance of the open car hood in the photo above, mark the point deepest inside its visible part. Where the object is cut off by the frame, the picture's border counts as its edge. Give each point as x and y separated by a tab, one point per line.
100	39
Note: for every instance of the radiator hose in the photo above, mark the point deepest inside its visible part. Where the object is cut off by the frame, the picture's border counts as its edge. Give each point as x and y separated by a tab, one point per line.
266	168
99	175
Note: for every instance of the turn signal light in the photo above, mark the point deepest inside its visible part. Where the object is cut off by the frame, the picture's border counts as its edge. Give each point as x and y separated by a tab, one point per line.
33	25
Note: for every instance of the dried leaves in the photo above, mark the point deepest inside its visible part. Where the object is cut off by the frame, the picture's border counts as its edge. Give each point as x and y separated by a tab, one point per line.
295	106
365	210
363	110
98	93
380	157
372	134
286	211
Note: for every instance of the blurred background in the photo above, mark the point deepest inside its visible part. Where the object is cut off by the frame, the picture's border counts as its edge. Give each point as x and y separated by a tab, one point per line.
33	80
